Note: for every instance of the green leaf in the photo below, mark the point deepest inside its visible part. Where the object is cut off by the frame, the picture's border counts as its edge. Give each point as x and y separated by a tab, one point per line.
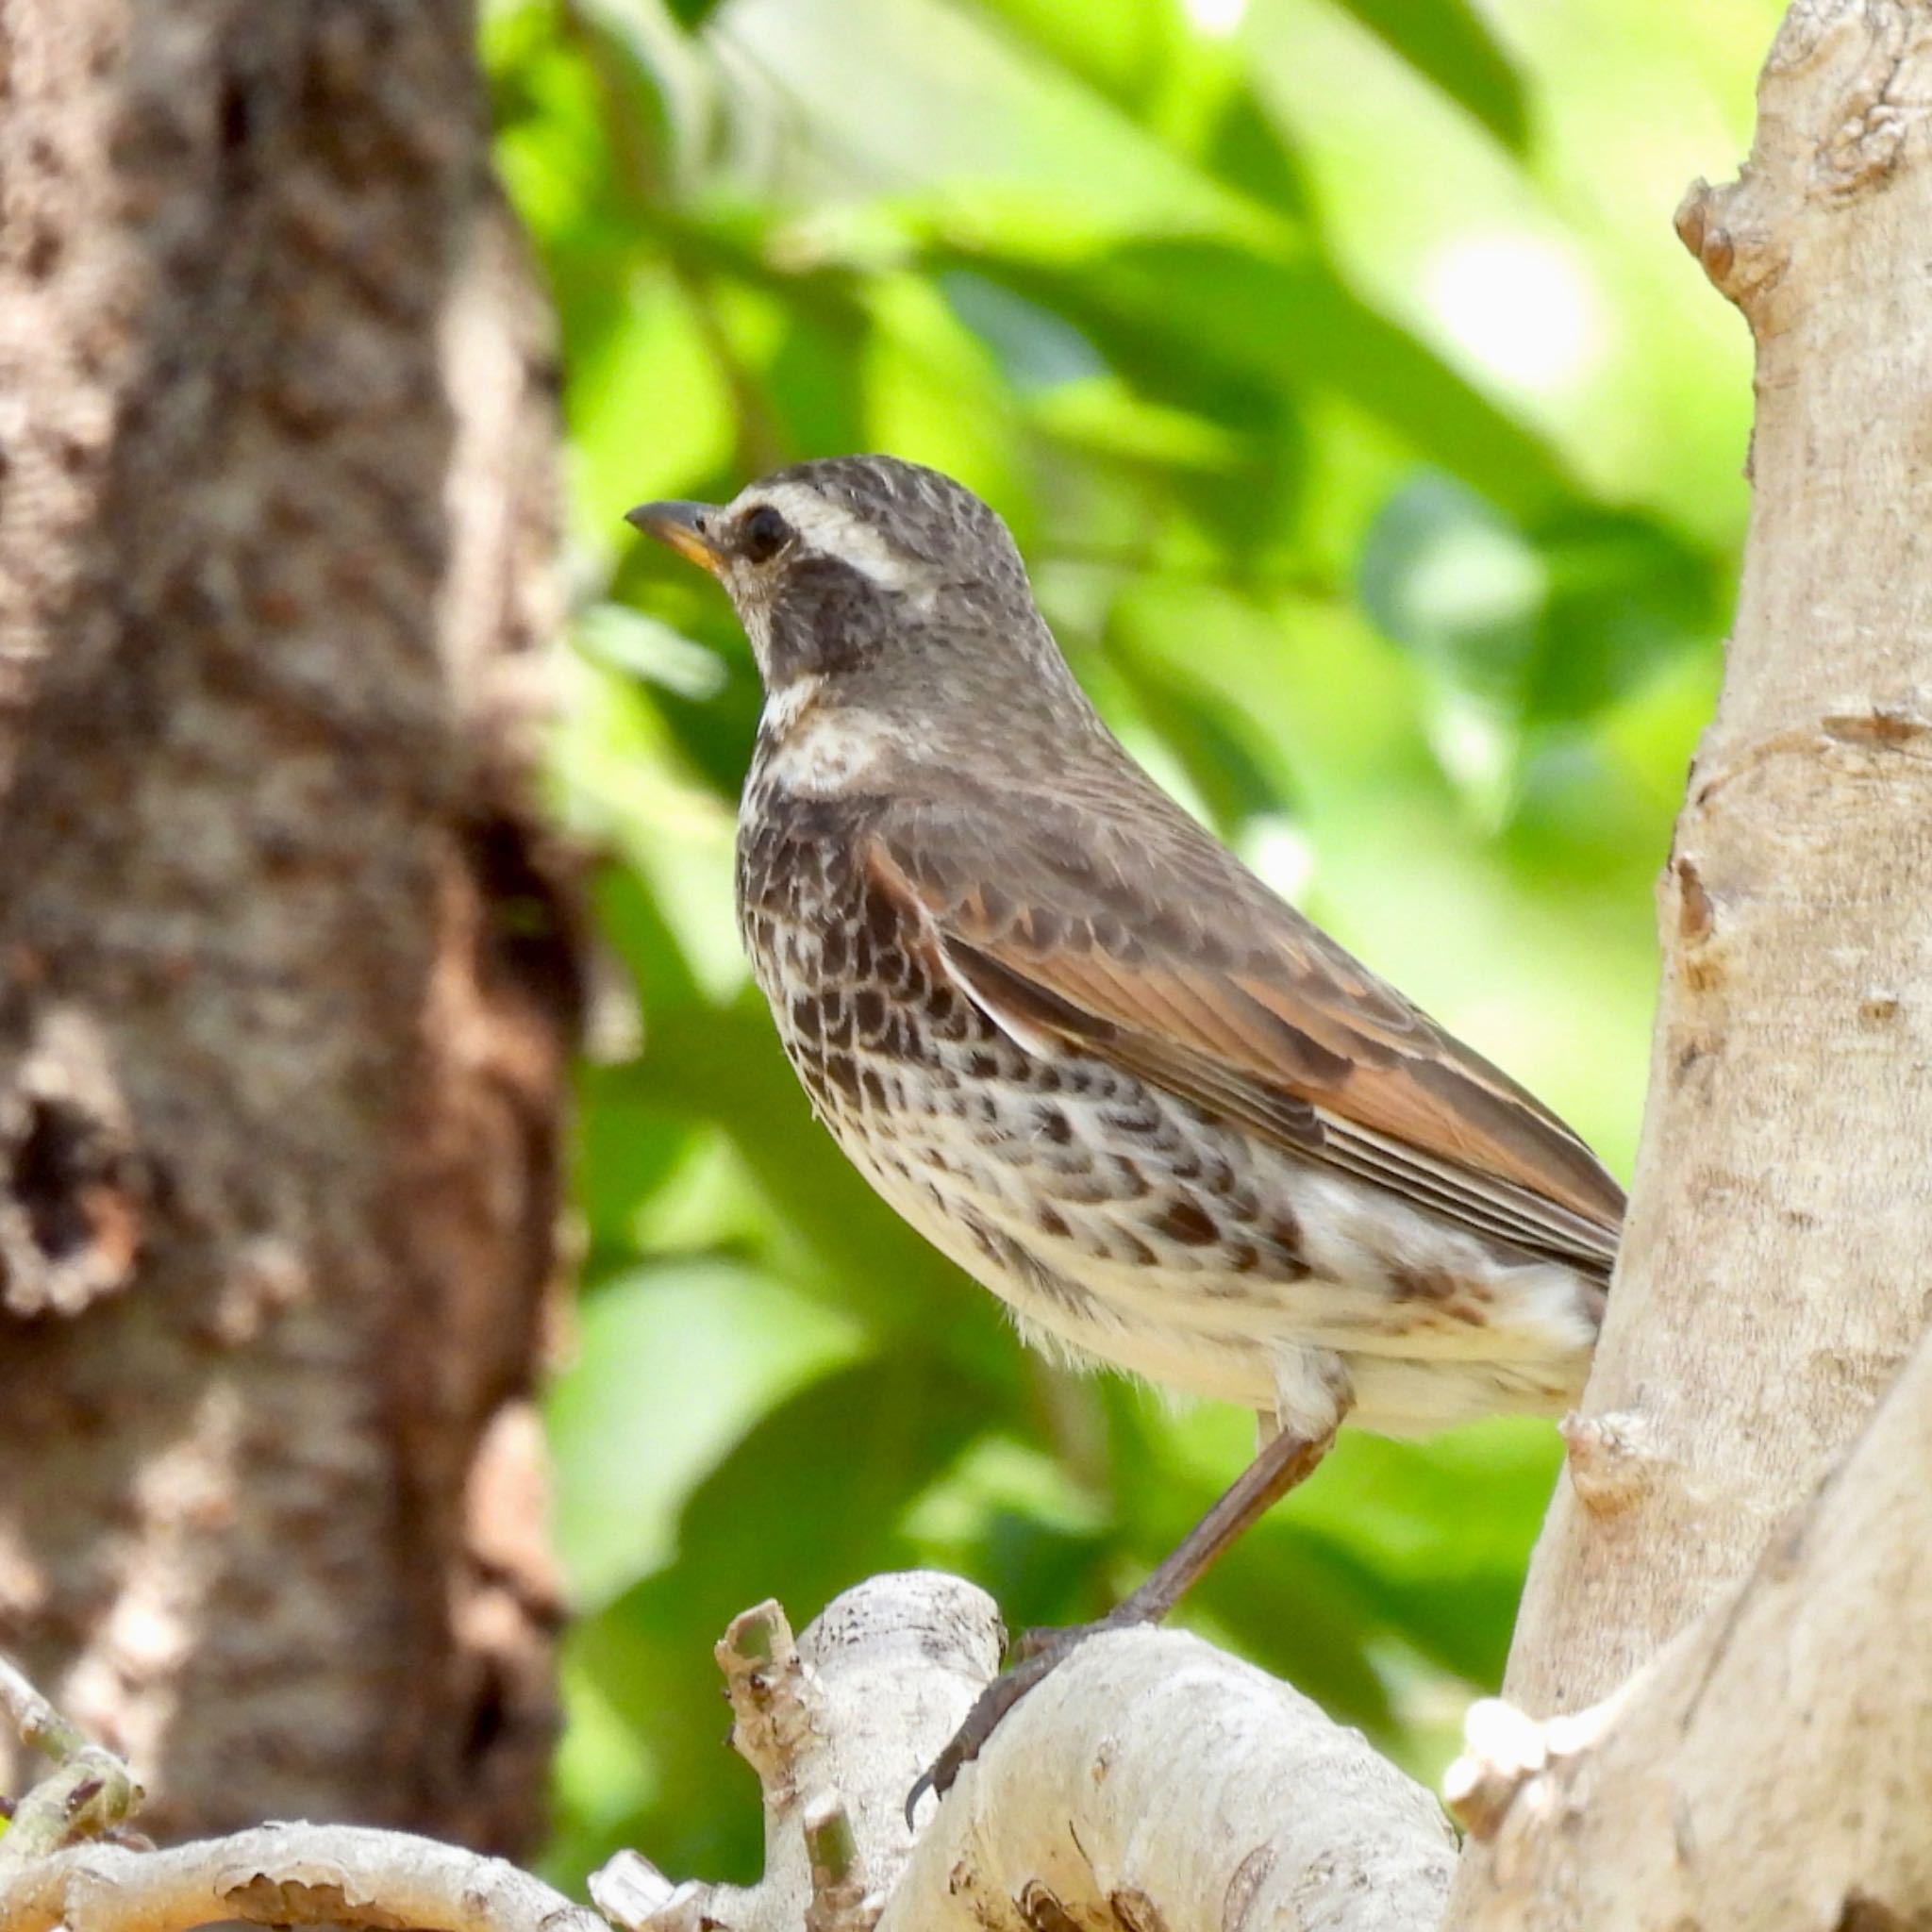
1213	743
1234	334
717	1345
1446	574
1245	148
1625	593
1122	50
1557	619
1447	43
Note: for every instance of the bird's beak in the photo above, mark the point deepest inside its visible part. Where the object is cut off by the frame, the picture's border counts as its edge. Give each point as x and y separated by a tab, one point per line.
681	527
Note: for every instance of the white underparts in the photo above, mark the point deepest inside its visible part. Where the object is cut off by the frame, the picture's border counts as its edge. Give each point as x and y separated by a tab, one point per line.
818	752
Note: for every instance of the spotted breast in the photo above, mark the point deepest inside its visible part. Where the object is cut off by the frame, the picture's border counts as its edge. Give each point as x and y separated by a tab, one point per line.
1119	1222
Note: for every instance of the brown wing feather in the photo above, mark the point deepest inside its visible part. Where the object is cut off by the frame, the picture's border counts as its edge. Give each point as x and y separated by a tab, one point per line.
1160	951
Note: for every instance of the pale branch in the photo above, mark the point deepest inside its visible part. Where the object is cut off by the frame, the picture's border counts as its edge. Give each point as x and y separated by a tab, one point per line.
1774	1765
1150	1782
34	1719
276	1874
88	1792
1503	1749
284	1874
1153	1781
836	1726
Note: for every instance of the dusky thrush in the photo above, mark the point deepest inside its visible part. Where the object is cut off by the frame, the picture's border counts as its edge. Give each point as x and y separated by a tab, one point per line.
1086	1052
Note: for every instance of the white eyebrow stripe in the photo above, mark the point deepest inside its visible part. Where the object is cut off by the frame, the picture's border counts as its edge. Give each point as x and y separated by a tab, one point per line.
832	530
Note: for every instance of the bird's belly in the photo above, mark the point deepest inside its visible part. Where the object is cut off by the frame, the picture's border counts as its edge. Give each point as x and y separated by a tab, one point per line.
1118	1222
1121	1224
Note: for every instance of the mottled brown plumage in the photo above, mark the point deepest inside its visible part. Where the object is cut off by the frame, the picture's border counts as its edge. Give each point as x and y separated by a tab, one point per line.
1087	1052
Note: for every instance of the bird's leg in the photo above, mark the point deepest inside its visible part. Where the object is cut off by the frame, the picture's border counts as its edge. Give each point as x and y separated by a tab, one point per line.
1285	1459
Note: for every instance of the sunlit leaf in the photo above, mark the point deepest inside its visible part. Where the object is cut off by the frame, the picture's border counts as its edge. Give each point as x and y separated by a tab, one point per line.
1448	42
725	1342
1120	50
1449	576
1556	619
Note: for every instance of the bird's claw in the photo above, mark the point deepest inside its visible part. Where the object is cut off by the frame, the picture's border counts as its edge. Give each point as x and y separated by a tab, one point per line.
1036	1654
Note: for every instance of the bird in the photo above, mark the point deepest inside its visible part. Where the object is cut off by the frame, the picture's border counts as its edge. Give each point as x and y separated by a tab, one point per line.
1090	1054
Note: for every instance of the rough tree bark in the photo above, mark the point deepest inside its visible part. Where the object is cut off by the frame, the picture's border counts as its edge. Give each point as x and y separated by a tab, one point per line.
285	985
1773	1274
1763	1773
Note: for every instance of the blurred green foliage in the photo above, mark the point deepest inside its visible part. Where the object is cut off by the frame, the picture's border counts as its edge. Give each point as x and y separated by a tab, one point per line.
1376	451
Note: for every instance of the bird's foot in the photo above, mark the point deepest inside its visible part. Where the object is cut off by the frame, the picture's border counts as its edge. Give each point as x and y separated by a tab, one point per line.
1036	1654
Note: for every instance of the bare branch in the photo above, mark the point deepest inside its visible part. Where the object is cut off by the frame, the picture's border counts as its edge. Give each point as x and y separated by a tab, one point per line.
284	1874
836	1726
1770	1760
1150	1782
1779	1750
90	1791
34	1720
1153	1781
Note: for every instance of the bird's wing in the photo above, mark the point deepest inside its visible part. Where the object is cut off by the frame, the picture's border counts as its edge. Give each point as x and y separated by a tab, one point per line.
1136	938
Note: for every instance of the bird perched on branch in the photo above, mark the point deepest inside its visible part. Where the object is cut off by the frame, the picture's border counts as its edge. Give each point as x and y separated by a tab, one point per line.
1086	1052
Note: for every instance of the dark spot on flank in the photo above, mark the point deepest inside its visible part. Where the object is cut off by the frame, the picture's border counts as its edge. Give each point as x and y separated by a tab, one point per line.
1141	1117
869	1009
1284	1234
1428	1283
1051	1223
1187	1222
982	1237
1053	1126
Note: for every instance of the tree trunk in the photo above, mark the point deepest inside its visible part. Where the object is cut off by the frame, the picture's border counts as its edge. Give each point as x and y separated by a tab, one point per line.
285	984
1774	1273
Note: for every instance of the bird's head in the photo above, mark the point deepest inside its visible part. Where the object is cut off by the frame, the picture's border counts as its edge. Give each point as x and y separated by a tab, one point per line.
868	566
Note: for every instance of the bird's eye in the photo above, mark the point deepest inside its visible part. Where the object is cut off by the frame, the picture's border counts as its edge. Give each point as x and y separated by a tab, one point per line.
764	533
